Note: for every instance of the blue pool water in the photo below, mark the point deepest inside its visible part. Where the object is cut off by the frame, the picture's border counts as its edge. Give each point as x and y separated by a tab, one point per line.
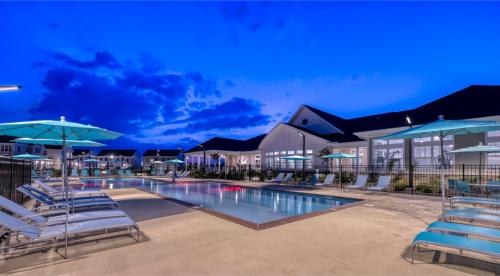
250	204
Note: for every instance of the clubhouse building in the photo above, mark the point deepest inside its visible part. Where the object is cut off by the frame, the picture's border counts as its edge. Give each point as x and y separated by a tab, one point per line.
315	132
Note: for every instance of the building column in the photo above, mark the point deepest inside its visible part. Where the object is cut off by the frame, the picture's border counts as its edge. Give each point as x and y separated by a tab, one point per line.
370	151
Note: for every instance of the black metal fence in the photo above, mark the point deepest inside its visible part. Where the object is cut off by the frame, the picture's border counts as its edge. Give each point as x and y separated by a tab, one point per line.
424	179
13	173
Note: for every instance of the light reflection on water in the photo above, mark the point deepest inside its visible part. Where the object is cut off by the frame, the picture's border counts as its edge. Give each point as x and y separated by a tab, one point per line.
250	204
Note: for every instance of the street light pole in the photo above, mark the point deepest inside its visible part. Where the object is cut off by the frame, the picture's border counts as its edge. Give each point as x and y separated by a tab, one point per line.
410	157
304	155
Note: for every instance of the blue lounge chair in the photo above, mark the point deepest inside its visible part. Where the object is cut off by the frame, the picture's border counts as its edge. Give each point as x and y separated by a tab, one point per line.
478	210
452	184
464	229
310	184
475	201
451	215
463	187
84	173
97	173
120	172
128	172
489	248
40	219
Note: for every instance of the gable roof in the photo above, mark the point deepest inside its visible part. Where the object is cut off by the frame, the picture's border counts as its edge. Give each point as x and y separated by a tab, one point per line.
474	101
228	144
117	152
163	152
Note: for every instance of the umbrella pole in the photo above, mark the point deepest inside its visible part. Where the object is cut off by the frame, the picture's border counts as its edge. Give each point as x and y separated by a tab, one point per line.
65	184
443	185
480	167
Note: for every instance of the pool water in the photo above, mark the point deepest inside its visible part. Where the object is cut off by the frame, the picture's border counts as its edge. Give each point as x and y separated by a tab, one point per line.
253	205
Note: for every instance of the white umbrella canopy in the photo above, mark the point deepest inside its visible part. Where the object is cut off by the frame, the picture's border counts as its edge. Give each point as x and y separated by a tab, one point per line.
481	149
443	128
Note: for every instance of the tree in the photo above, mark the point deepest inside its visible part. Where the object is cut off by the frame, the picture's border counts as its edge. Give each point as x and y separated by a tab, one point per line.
323	152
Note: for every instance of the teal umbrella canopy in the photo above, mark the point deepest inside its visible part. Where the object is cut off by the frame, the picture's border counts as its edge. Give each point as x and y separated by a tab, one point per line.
59	142
27	156
174	161
296	157
477	149
91	160
339	156
49	129
444	128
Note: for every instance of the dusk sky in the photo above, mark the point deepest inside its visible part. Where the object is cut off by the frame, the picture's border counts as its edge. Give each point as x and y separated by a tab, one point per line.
176	74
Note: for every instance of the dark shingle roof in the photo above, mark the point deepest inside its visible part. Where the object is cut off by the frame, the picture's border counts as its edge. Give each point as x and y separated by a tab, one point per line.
117	152
474	101
228	144
332	137
6	139
164	152
80	152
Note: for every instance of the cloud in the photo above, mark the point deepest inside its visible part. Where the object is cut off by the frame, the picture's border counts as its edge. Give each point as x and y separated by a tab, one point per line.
233	114
141	100
101	59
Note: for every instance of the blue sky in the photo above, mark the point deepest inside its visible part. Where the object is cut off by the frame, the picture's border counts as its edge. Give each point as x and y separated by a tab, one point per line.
170	74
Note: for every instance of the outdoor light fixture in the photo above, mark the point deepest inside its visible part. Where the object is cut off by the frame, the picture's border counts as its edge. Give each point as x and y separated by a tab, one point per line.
408	120
4	88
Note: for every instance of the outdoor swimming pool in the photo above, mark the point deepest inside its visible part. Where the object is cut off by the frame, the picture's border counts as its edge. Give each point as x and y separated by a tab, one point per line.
254	205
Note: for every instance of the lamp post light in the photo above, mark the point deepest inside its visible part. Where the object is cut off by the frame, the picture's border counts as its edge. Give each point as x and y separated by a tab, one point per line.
303	154
204	156
6	88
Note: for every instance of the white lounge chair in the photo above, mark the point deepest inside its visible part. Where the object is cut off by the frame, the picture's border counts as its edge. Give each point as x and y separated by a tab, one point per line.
55	192
74	172
382	184
360	182
40	219
328	180
29	237
288	177
279	177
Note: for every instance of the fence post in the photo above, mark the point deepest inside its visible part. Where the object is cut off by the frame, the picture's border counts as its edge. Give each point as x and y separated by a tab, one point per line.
410	177
463	172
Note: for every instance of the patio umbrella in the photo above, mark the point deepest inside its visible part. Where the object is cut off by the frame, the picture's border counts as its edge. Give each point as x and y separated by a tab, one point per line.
443	128
174	162
296	158
59	142
340	156
27	156
481	149
51	129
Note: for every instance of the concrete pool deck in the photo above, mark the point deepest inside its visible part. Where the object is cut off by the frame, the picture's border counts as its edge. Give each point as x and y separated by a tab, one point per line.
371	238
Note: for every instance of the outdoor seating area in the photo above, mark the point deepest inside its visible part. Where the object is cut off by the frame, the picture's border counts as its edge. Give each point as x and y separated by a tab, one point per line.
56	221
464	229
